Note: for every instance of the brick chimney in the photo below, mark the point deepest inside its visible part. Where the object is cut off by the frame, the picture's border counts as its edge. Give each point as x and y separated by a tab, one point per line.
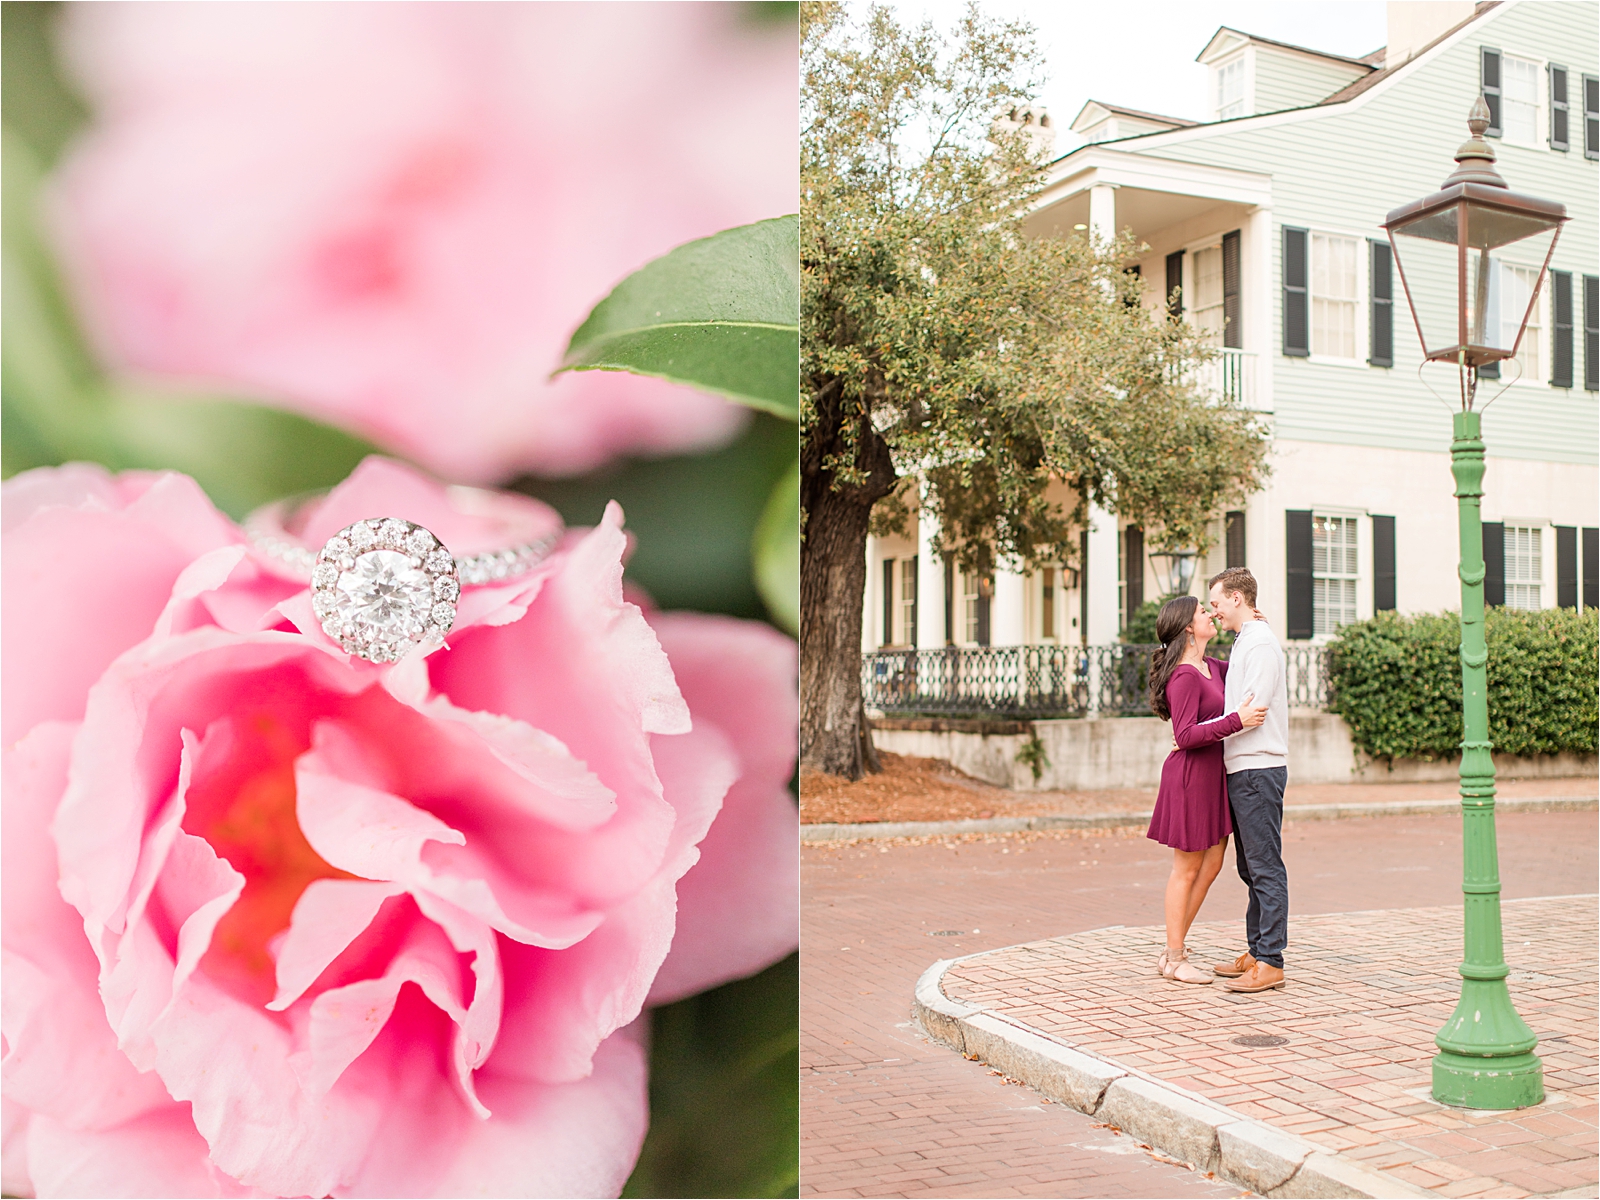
1033	121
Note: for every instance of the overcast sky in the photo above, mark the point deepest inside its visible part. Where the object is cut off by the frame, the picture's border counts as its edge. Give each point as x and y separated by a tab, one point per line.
1140	53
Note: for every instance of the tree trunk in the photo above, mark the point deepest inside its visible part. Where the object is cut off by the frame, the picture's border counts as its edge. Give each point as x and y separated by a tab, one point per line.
834	736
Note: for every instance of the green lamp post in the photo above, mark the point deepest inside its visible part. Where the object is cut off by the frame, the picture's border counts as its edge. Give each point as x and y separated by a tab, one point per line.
1442	245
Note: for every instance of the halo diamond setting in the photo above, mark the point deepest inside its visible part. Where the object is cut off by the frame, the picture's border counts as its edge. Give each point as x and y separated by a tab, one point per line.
383	587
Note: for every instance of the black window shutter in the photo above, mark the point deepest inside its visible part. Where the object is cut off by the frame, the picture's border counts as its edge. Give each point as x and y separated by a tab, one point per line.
1561	302
1591	333
1232	313
1298	618
1175	284
1235	527
1558	107
949	602
1494	562
916	595
1591	568
1382	564
1380	344
1591	116
1134	565
1296	326
1566	566
985	598
888	602
1489	79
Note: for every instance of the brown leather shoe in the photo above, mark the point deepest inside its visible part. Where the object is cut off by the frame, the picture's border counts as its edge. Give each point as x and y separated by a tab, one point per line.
1259	978
1232	970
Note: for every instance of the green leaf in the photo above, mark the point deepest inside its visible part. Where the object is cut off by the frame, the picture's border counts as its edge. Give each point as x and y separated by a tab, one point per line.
777	551
721	314
694	516
724	1104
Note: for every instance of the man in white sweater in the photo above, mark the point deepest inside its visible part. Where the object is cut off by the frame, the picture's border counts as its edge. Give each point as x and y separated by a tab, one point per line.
1257	762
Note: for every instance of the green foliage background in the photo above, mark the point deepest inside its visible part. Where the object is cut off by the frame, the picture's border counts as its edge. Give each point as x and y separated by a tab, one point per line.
1396	681
724	1066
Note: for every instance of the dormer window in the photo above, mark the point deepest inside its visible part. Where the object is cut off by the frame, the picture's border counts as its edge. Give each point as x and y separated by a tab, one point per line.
1230	89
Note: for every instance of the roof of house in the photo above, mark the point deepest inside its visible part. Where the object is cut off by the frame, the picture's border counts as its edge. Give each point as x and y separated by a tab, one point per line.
1376	72
1365	62
1352	90
1118	110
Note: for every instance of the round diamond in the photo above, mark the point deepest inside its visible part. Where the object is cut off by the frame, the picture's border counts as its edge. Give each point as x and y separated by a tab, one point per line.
336	549
361	537
440	562
420	542
392	533
446	588
444	615
325	574
383	598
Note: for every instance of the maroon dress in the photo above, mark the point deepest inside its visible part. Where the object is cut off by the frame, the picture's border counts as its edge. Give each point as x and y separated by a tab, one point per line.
1192	806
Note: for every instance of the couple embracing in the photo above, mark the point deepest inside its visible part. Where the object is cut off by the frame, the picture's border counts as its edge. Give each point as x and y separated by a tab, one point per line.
1225	775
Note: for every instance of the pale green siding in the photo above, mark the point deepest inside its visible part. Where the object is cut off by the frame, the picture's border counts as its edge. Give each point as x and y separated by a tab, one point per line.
1342	170
1288	80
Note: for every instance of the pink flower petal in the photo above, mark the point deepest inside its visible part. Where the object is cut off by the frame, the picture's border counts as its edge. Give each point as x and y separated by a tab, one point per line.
371	833
61	1057
574	1139
738	907
159	1154
59	633
327	918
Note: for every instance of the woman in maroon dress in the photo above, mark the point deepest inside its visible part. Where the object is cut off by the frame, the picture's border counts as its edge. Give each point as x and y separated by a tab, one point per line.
1191	812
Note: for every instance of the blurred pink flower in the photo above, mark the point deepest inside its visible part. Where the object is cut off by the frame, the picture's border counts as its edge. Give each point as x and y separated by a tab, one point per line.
392	216
282	922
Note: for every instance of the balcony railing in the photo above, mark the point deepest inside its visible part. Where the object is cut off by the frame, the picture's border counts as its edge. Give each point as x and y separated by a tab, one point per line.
1232	373
1043	681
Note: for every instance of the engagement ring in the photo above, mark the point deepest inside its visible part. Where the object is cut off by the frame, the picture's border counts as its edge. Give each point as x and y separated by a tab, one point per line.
383	586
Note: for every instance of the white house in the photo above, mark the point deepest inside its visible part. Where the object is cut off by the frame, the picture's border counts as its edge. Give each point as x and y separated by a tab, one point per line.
1266	220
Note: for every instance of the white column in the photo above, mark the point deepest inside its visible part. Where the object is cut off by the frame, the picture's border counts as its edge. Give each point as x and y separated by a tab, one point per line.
1102	577
1103	211
1008	615
872	599
930	584
1259	302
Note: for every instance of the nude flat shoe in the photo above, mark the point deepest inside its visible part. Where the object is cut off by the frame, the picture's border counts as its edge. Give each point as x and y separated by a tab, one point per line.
1161	963
1185	971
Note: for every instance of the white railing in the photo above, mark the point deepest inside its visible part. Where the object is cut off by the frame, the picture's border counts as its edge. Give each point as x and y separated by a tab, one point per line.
1232	373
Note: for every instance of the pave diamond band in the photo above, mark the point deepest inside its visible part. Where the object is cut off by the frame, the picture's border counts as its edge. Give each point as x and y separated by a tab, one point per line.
381	587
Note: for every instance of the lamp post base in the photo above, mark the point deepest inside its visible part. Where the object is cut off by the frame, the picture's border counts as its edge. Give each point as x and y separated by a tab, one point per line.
1498	1082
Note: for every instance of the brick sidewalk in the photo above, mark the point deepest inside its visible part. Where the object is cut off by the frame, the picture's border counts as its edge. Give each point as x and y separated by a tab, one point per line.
1367	992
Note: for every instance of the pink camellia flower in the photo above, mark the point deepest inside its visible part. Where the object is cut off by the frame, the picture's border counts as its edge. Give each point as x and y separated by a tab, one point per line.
280	921
393	216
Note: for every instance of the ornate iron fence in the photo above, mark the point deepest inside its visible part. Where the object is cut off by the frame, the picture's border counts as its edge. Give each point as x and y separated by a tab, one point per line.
1042	681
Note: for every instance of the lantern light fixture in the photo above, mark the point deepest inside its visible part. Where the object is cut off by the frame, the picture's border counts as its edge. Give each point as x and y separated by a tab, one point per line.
1443	244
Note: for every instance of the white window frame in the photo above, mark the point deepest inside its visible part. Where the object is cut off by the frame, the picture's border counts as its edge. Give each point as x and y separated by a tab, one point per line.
968	588
1543	579
1363	564
1543	332
904	608
1244	58
1362	298
1541	103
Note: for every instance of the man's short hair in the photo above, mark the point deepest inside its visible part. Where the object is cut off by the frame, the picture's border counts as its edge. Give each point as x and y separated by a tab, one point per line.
1236	579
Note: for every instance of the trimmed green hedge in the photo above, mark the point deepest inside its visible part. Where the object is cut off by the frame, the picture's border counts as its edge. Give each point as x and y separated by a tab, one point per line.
1396	681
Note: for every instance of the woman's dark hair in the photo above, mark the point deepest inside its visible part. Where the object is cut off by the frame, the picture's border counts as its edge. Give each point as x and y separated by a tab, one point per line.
1172	624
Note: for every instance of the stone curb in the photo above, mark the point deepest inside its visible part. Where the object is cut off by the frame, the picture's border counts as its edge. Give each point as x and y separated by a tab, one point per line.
1249	1153
1291	812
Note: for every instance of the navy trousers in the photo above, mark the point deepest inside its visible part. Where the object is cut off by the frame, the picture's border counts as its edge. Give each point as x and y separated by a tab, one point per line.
1256	800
